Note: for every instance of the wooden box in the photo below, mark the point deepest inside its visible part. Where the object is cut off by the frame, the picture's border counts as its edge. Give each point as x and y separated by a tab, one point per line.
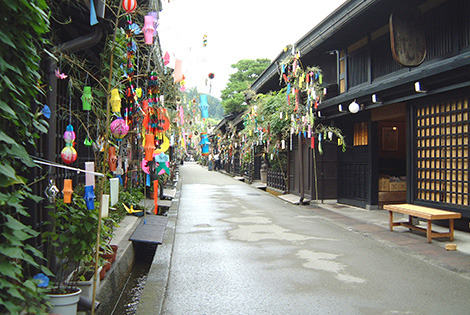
384	184
401	186
397	186
394	186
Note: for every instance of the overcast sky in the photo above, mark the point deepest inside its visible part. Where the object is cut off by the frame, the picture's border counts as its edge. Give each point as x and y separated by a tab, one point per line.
236	30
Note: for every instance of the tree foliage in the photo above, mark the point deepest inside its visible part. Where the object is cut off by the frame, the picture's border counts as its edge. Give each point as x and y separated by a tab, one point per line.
216	110
233	96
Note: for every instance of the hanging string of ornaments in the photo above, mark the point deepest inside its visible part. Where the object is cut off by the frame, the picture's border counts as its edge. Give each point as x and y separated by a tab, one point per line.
298	80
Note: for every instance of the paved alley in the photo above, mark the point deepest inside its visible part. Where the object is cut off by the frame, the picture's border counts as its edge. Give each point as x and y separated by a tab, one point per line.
240	250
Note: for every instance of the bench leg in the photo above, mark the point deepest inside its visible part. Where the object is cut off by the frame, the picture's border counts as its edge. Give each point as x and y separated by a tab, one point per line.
390	215
451	229
429	231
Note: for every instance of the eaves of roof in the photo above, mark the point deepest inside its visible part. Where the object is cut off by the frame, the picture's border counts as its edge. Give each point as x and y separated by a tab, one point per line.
319	34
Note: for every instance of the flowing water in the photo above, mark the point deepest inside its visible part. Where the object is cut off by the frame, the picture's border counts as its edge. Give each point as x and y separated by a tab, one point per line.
128	300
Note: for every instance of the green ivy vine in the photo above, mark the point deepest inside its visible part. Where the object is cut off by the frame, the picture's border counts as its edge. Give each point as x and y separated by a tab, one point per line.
22	45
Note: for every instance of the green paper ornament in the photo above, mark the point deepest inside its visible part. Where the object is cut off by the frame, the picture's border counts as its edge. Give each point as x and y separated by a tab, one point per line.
87	98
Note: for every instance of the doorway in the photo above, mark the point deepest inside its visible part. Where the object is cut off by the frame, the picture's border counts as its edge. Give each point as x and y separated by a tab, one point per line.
392	153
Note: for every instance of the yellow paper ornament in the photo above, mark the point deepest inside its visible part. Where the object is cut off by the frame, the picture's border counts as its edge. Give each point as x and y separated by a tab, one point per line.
115	101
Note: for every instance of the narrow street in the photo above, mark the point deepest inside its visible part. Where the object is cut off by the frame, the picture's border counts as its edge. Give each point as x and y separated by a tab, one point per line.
240	250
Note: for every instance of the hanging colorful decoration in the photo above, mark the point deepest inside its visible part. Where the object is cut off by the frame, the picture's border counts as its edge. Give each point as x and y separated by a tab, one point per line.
60	75
112	158
46	111
163	122
204	106
119	128
178	72
129	5
163	144
166	58
163	163
154	14
130	92
67	191
89	176
204	143
68	153
89	197
93	19
115	101
114	191
87	98
149	146
148	29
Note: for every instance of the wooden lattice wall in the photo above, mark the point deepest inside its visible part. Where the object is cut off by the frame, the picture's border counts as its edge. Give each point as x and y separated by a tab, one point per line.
442	150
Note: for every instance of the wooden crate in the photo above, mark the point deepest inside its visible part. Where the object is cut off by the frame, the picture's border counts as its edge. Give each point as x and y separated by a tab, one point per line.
384	184
401	186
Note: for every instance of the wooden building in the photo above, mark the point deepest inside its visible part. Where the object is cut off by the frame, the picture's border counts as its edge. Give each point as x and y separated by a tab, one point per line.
406	65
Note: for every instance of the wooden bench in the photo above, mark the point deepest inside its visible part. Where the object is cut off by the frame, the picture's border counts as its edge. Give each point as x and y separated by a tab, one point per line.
429	214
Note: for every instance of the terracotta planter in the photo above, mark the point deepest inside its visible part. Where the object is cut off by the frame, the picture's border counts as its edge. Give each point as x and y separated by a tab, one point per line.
109	256
103	271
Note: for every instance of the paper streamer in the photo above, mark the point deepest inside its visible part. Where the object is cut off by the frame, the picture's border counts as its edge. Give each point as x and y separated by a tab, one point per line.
90	177
114	188
104	206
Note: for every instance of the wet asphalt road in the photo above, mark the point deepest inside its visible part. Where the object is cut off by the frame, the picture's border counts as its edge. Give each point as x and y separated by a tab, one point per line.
240	250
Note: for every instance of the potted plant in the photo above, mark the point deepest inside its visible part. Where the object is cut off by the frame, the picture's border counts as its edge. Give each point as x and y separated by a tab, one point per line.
70	243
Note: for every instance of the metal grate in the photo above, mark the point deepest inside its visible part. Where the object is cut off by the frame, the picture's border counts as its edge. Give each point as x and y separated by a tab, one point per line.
442	149
361	134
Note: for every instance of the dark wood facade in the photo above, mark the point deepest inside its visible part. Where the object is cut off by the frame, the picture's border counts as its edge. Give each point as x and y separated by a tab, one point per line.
413	121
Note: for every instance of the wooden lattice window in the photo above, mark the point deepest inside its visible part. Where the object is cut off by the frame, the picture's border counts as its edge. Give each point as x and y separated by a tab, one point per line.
361	134
442	173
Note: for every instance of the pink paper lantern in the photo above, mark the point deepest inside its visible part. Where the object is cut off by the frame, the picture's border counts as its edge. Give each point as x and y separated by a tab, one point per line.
69	154
178	73
119	128
69	136
129	5
148	29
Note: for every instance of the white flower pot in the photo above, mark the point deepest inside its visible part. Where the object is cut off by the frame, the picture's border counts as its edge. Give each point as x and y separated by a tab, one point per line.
87	286
65	304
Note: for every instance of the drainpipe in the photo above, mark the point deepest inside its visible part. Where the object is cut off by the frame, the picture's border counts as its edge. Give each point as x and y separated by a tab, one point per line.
82	42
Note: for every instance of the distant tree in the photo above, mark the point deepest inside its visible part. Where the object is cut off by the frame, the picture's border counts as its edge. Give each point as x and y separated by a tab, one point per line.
233	96
216	110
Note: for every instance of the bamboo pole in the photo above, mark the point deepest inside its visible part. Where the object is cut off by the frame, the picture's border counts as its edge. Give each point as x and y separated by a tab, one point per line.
103	179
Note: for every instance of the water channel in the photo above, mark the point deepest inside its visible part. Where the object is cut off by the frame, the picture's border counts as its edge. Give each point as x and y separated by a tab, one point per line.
127	301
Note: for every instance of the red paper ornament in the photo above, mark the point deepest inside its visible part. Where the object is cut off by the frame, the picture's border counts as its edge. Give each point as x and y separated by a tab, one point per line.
129	5
163	123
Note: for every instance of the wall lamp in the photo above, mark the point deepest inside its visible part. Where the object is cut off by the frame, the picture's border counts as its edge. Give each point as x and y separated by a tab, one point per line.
420	88
376	99
354	107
